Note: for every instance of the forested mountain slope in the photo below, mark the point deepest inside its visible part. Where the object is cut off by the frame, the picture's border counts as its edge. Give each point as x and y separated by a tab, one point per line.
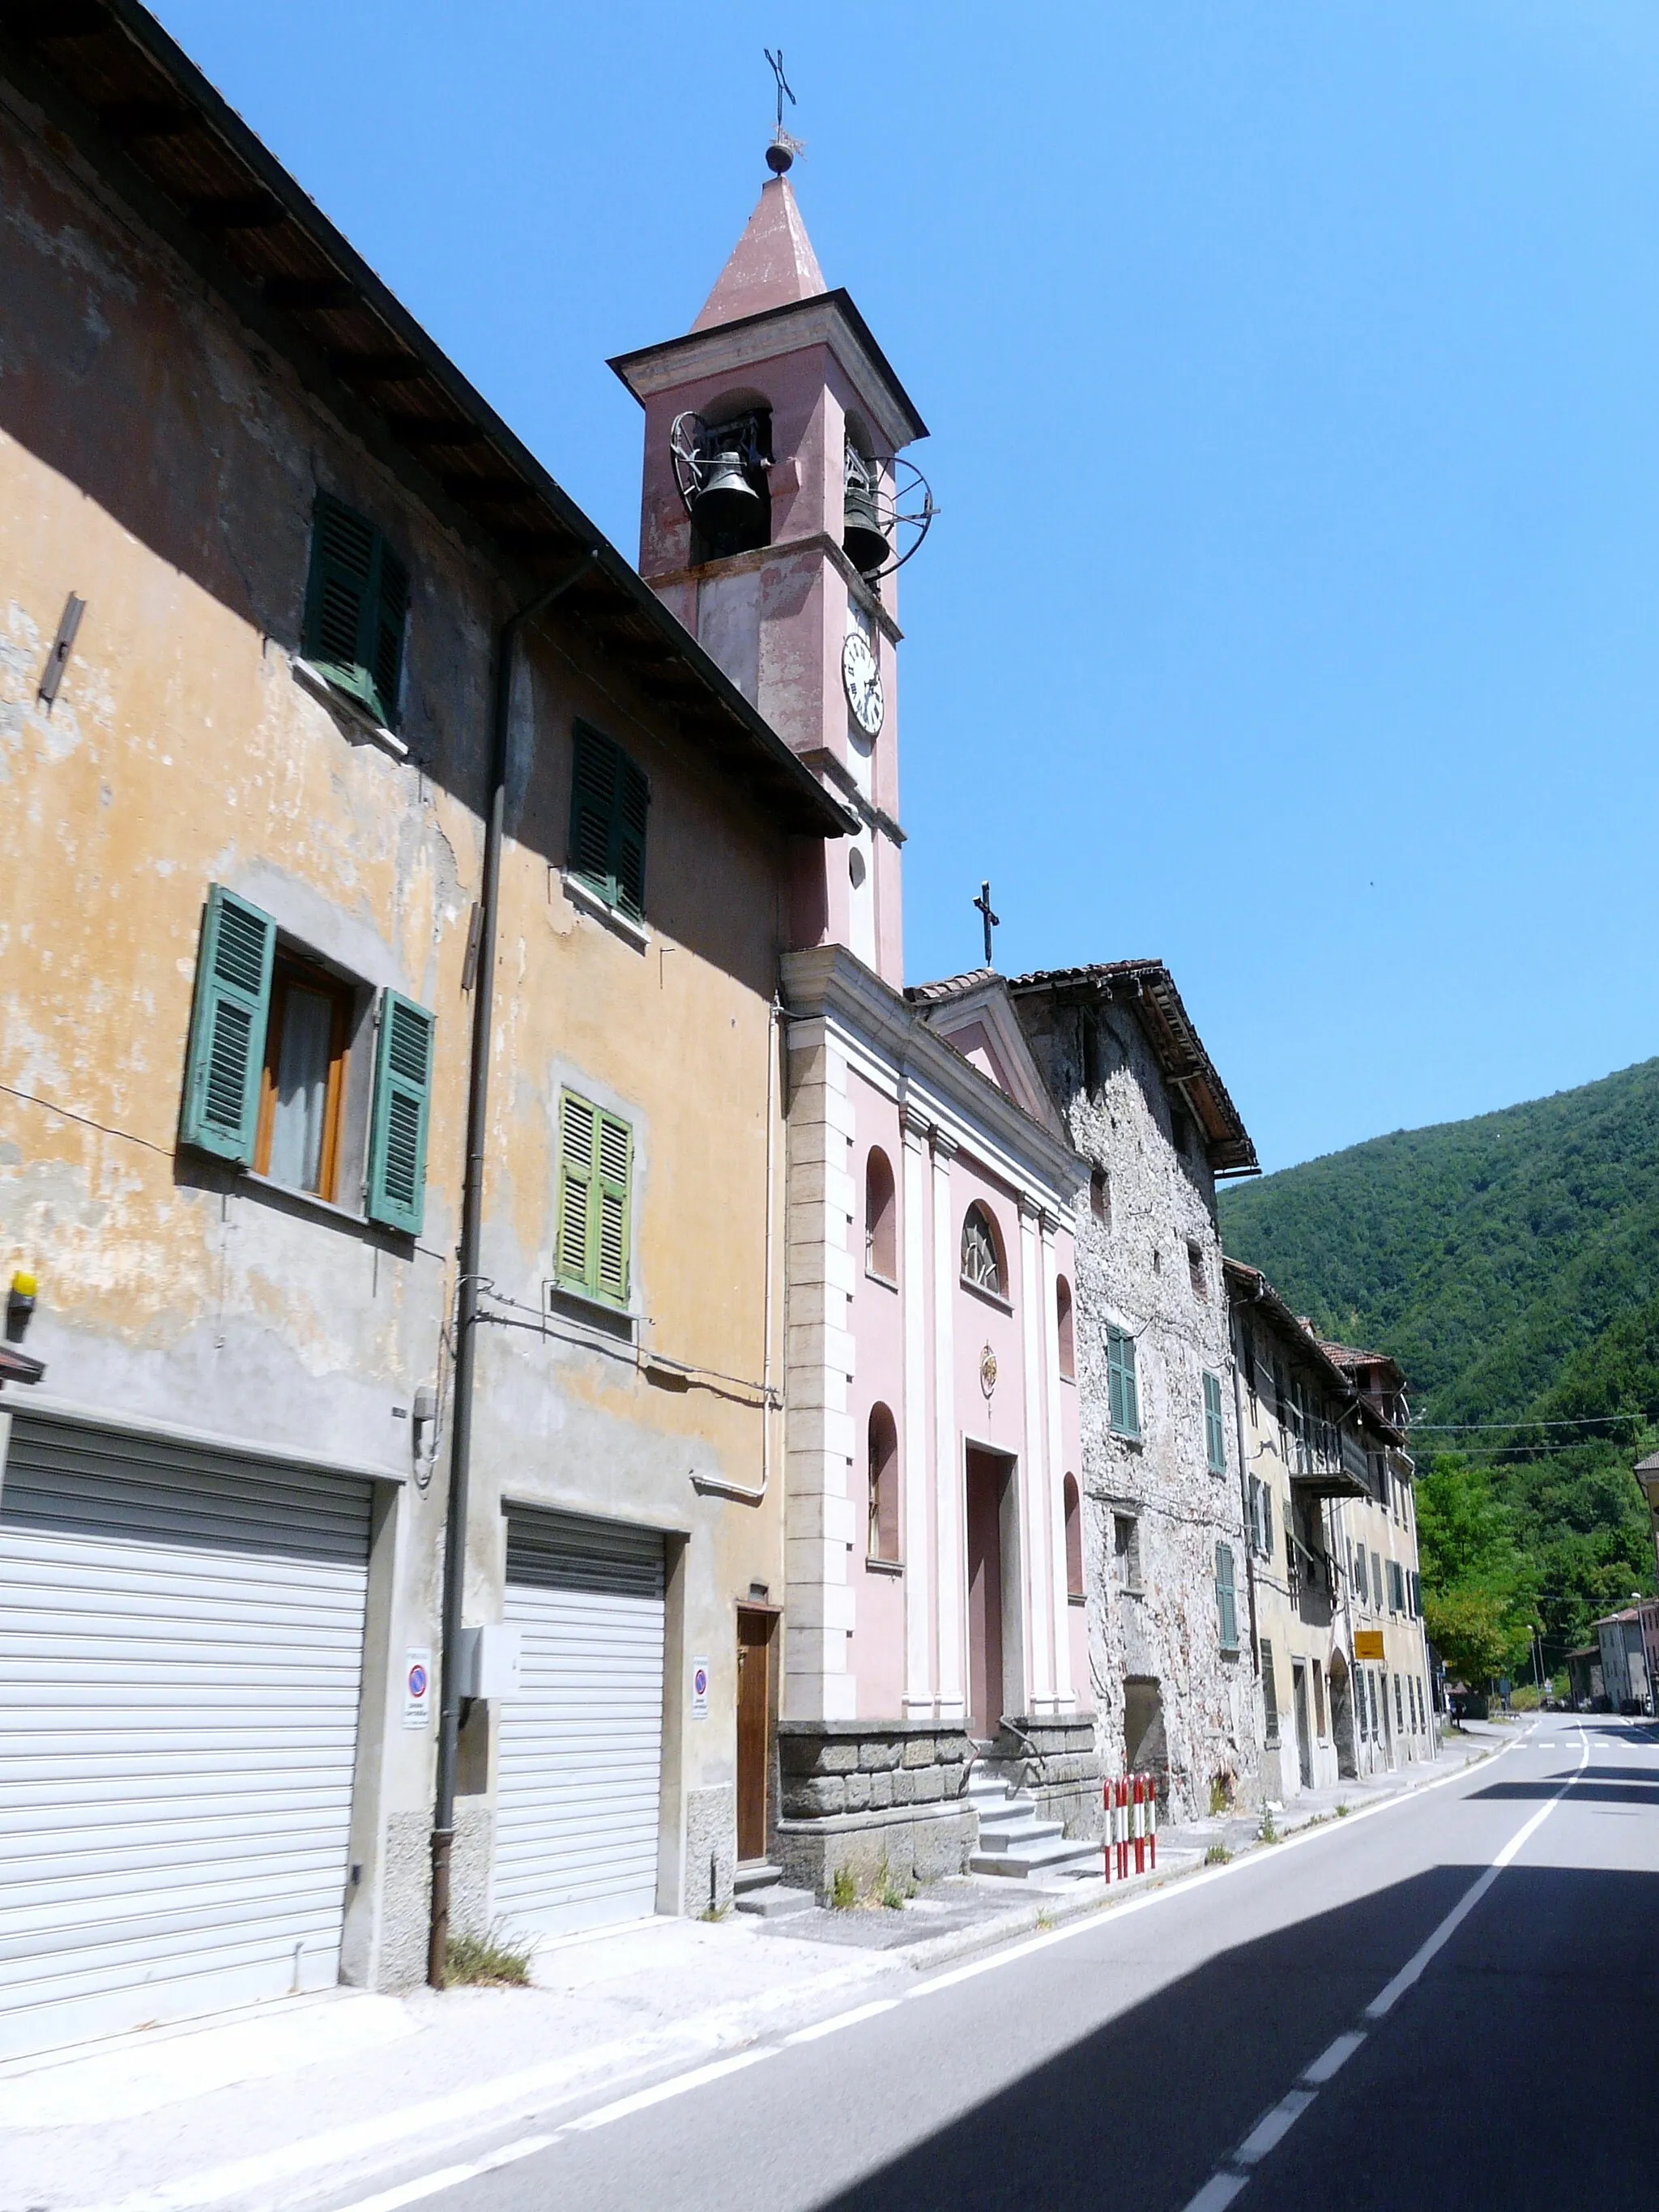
1510	1264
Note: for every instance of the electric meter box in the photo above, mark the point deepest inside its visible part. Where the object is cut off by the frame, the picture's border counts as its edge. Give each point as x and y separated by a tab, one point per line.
490	1659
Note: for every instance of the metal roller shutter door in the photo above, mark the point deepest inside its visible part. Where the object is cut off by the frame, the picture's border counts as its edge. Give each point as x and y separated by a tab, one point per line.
580	1774
181	1637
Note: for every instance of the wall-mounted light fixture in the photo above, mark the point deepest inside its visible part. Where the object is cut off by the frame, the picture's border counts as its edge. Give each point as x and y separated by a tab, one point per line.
19	1305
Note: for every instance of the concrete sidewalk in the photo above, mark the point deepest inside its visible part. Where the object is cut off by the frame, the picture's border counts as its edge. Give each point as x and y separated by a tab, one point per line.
286	2105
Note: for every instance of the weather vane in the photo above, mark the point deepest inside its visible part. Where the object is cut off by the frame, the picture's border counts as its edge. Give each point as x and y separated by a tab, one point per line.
781	154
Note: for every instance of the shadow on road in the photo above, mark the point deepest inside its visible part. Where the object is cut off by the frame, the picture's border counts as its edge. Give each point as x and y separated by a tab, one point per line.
1634	1792
1545	1990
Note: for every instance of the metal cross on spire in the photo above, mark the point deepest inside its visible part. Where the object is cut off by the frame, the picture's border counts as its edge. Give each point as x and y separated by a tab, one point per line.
781	154
982	906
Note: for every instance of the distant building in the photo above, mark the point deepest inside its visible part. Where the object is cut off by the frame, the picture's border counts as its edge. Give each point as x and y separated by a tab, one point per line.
1334	1593
1585	1684
1625	1677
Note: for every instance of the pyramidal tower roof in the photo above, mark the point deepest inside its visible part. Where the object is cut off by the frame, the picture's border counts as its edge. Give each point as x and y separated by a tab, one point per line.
772	264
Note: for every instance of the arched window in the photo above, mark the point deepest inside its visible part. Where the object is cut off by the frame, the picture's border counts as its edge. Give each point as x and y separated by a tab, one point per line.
1074	1539
1068	1339
881	1542
981	1252
880	1218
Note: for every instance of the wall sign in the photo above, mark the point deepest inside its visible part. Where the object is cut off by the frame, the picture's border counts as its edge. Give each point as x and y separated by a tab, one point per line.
699	1689
417	1688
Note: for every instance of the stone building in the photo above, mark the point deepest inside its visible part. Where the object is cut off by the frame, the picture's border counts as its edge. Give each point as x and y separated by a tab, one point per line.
931	1430
346	765
1161	1520
1333	1593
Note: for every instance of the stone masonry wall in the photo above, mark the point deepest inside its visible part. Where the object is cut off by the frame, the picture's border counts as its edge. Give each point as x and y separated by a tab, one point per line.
1133	1273
880	1799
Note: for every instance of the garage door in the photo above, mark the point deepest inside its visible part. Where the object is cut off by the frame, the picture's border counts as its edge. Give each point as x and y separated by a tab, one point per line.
579	1769
181	1638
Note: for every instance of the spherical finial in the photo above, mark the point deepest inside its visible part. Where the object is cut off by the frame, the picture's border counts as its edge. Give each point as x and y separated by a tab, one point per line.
779	156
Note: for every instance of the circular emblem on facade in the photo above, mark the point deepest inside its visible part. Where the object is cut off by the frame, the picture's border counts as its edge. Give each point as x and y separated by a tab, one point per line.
417	1681
987	1371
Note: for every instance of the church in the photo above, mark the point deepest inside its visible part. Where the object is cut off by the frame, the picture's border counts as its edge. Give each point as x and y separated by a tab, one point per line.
930	1686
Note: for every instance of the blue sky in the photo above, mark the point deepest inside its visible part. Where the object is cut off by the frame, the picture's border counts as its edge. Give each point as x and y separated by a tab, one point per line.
1293	610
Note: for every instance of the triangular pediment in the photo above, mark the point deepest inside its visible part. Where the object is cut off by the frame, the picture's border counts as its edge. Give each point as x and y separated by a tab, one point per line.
976	1018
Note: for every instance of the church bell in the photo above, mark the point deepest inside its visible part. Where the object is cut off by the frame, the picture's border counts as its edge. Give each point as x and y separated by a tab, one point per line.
863	540
725	501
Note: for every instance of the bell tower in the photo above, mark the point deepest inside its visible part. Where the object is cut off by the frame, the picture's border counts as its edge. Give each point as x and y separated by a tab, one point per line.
775	511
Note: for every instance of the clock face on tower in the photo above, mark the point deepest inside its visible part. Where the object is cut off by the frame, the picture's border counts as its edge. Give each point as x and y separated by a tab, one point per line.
861	680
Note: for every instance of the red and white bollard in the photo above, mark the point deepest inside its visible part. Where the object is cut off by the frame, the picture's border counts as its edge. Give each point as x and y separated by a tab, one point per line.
1152	1823
1139	1803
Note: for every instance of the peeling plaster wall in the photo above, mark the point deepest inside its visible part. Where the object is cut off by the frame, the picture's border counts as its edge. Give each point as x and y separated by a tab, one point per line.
157	461
1132	1274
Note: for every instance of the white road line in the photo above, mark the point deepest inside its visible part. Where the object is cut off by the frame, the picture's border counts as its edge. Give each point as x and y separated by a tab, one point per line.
1386	1999
642	2099
1334	2056
451	2177
1093	1922
843	2019
1271	2130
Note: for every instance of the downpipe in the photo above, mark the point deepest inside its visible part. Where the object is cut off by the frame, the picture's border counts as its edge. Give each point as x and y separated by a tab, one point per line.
477	1110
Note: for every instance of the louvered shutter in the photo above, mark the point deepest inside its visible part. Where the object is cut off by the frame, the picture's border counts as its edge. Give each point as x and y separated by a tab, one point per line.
577	1121
1225	1605
1125	1398
398	1130
356	607
610	1259
227	1028
1215	1442
390	617
627	836
592	794
1267	1522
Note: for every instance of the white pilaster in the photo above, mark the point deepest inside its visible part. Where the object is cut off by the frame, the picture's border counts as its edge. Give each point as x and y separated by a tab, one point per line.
913	1472
1065	1692
1033	1497
948	1502
820	1515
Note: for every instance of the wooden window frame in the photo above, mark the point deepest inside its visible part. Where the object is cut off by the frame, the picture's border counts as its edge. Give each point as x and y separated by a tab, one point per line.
291	971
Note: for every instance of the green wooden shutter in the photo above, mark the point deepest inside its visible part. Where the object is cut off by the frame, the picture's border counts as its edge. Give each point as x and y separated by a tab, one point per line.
356	607
627	836
1123	1395
609	799
595	1177
577	1208
593	795
1225	1600
1215	1440
227	1028
614	1163
397	1127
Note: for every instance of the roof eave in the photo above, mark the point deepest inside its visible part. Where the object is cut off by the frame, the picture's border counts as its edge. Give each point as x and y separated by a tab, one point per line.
785	785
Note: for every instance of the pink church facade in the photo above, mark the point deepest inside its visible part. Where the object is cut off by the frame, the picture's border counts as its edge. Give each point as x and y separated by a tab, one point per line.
933	1621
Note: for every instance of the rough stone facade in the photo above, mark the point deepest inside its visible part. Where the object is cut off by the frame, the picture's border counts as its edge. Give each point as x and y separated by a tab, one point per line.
881	1799
1167	1696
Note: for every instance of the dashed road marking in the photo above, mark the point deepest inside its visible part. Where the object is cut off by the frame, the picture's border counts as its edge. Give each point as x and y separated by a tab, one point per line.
1236	2170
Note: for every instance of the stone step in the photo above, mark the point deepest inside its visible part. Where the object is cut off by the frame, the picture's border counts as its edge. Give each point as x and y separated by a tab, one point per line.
1060	1854
1019	1828
775	1901
755	1873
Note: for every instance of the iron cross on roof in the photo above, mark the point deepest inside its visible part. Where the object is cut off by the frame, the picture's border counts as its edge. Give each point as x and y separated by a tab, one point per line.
983	905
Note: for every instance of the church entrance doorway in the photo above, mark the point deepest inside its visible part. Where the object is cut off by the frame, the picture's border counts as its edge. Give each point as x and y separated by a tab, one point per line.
989	1501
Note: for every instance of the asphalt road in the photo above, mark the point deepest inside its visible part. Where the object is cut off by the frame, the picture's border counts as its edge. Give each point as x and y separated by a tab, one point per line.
1453	2001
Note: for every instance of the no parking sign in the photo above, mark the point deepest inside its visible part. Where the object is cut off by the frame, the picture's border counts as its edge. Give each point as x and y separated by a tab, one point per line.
699	1689
417	1688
